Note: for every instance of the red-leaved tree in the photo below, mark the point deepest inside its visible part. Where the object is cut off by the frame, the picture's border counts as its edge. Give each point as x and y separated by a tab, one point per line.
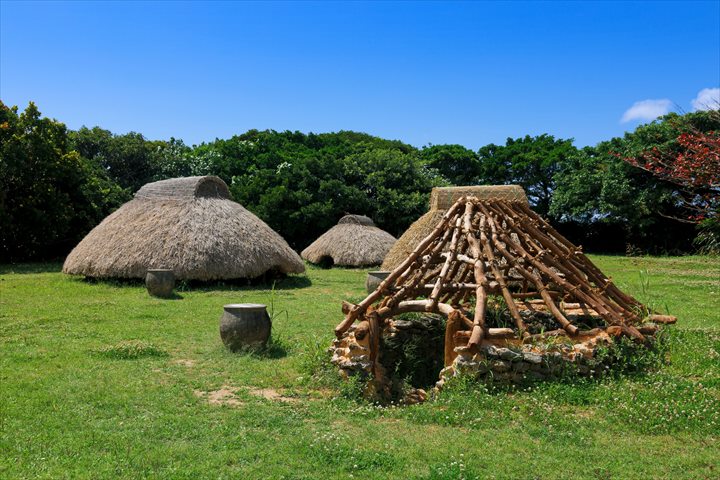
692	164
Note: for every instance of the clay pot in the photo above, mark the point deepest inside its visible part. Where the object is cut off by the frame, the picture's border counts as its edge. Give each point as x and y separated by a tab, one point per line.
160	282
245	325
374	279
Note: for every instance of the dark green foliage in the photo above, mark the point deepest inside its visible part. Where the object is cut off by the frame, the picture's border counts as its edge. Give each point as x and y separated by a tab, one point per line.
708	239
459	165
315	363
596	187
531	162
127	159
302	184
50	196
626	357
130	160
58	184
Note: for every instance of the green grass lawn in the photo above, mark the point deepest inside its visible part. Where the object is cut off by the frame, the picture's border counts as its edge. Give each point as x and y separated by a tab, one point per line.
73	407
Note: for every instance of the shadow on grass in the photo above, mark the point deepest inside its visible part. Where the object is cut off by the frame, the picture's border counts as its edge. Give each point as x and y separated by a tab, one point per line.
269	280
30	268
286	282
240	284
275	348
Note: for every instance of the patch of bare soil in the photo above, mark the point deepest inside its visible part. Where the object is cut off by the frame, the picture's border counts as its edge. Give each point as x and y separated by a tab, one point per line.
271	394
225	395
185	362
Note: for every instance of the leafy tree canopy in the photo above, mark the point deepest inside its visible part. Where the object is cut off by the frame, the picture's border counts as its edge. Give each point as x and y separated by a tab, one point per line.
459	165
596	185
301	184
531	162
49	194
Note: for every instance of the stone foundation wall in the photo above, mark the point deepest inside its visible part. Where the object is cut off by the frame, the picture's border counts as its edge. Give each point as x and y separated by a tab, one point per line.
351	353
504	361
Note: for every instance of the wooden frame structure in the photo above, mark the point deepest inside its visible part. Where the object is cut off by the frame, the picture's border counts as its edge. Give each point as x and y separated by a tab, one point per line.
496	247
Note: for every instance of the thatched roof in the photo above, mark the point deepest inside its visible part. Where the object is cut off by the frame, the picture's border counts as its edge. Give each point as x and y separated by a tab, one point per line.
356	220
442	198
188	224
354	242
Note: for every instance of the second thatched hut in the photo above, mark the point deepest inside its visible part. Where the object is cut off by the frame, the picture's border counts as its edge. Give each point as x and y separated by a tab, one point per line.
354	242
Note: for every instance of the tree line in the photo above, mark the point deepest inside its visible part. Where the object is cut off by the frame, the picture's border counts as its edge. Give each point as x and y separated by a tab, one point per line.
56	184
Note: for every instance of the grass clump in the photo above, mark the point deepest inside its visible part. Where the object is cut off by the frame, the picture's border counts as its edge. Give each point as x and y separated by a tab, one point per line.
131	350
454	469
275	347
315	363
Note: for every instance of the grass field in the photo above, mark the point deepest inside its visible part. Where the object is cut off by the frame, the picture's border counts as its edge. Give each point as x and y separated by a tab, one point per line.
78	401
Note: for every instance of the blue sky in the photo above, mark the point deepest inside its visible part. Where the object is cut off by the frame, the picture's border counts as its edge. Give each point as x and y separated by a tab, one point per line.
467	73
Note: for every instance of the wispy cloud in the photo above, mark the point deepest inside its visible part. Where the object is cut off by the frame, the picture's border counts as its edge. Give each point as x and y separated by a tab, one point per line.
707	99
647	110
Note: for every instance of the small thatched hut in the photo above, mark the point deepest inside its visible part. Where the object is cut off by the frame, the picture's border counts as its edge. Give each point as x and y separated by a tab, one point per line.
442	198
354	242
188	224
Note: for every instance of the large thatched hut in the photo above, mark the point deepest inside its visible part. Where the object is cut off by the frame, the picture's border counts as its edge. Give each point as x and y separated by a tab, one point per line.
354	242
442	198
188	224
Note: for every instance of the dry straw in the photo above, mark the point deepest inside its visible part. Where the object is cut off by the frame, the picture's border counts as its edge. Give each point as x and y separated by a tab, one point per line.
442	198
189	225
354	242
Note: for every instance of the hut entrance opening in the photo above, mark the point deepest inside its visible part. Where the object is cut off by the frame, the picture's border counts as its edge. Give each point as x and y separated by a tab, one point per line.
326	261
411	352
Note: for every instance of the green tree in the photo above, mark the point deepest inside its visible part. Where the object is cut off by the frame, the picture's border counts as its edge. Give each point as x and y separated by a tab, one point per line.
130	159
302	184
596	187
172	159
459	165
50	196
531	162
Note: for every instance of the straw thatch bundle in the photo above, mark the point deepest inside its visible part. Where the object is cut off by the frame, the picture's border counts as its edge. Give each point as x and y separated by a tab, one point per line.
188	224
354	242
442	198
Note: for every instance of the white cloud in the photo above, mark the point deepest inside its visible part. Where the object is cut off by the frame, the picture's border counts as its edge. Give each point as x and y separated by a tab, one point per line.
647	110
707	99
